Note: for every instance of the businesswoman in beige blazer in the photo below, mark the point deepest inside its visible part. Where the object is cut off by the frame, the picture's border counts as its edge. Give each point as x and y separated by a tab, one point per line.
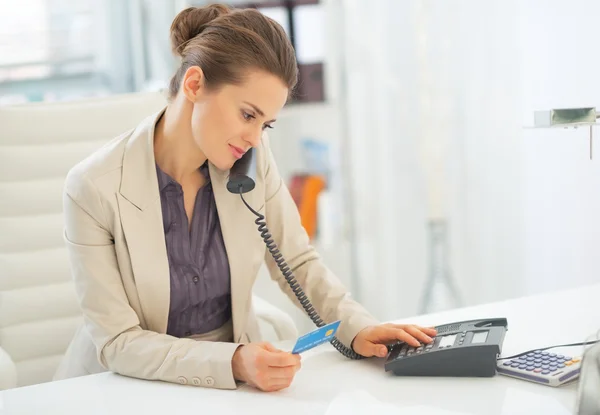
164	257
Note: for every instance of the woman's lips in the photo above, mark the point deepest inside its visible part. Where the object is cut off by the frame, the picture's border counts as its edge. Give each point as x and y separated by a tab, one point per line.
236	151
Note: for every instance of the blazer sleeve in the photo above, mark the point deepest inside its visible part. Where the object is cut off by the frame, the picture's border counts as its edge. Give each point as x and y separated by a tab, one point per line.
325	291
122	346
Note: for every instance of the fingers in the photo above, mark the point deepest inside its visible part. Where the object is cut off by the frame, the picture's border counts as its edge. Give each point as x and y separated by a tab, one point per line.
379	350
277	385
269	384
281	377
265	367
402	335
280	359
278	368
422	334
283	373
270	347
410	335
428	330
277	358
275	378
418	334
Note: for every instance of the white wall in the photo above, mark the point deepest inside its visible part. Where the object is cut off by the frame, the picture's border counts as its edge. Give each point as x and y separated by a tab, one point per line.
562	185
440	93
435	133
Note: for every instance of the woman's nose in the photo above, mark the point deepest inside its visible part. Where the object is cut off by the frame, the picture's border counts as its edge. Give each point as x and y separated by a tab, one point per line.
253	137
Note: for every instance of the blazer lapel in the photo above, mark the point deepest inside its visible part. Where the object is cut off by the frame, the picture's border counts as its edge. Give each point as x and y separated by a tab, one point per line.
141	219
241	236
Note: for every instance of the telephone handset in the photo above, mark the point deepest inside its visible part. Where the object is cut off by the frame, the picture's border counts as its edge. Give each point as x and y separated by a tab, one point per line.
241	180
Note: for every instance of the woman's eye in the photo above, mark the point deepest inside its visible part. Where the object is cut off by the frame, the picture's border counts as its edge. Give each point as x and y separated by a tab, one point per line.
247	116
267	126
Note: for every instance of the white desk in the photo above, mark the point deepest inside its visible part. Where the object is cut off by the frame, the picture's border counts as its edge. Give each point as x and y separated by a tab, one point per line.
330	384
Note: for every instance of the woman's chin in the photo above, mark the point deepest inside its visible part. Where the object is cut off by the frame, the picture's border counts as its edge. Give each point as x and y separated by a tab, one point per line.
224	165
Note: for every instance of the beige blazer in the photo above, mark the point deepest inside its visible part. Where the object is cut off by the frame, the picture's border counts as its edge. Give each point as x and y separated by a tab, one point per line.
116	245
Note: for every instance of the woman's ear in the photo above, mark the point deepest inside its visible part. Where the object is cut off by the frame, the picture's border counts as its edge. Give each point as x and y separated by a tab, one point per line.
193	83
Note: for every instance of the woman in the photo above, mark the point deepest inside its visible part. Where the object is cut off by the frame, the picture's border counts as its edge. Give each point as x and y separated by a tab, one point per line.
164	257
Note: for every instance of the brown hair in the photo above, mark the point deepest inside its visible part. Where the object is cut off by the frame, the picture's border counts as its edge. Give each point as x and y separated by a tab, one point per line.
225	43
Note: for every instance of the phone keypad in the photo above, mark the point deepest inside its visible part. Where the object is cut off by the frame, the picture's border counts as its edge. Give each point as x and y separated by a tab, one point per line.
407	350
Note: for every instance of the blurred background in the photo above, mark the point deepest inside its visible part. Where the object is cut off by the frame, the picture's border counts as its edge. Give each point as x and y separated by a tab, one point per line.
408	148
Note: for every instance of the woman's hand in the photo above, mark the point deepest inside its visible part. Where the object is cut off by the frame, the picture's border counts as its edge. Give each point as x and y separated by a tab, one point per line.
263	366
372	341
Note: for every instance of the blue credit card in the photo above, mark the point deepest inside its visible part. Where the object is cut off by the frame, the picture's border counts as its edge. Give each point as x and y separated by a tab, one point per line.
316	337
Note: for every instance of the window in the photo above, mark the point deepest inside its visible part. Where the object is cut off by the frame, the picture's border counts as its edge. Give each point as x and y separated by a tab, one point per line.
45	38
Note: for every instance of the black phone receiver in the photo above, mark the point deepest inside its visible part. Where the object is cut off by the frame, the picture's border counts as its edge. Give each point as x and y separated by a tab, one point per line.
242	174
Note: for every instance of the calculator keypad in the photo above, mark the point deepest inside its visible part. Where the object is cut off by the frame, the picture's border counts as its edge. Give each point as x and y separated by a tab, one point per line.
543	362
538	363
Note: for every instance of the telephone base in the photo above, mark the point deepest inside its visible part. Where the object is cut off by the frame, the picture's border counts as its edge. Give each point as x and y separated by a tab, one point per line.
462	349
450	363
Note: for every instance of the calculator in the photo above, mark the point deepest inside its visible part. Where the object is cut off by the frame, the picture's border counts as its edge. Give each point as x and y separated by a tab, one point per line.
542	367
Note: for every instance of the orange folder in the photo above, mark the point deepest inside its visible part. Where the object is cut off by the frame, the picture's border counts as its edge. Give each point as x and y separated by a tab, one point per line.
305	190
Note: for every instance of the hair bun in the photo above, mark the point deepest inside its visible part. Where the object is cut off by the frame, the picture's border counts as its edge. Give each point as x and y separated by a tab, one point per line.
190	22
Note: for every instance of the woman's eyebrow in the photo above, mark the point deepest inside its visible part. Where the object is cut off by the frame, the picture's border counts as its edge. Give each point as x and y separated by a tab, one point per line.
258	110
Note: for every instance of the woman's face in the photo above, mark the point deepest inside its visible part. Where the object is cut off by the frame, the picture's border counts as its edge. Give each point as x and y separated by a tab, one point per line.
225	123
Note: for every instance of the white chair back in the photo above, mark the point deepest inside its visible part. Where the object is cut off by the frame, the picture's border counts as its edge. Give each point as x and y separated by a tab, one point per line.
39	143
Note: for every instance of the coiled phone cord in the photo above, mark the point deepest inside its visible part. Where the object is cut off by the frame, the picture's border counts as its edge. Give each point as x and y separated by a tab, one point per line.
296	288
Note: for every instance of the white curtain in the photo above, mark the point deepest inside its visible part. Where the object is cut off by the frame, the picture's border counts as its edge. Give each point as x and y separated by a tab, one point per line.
562	199
434	115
